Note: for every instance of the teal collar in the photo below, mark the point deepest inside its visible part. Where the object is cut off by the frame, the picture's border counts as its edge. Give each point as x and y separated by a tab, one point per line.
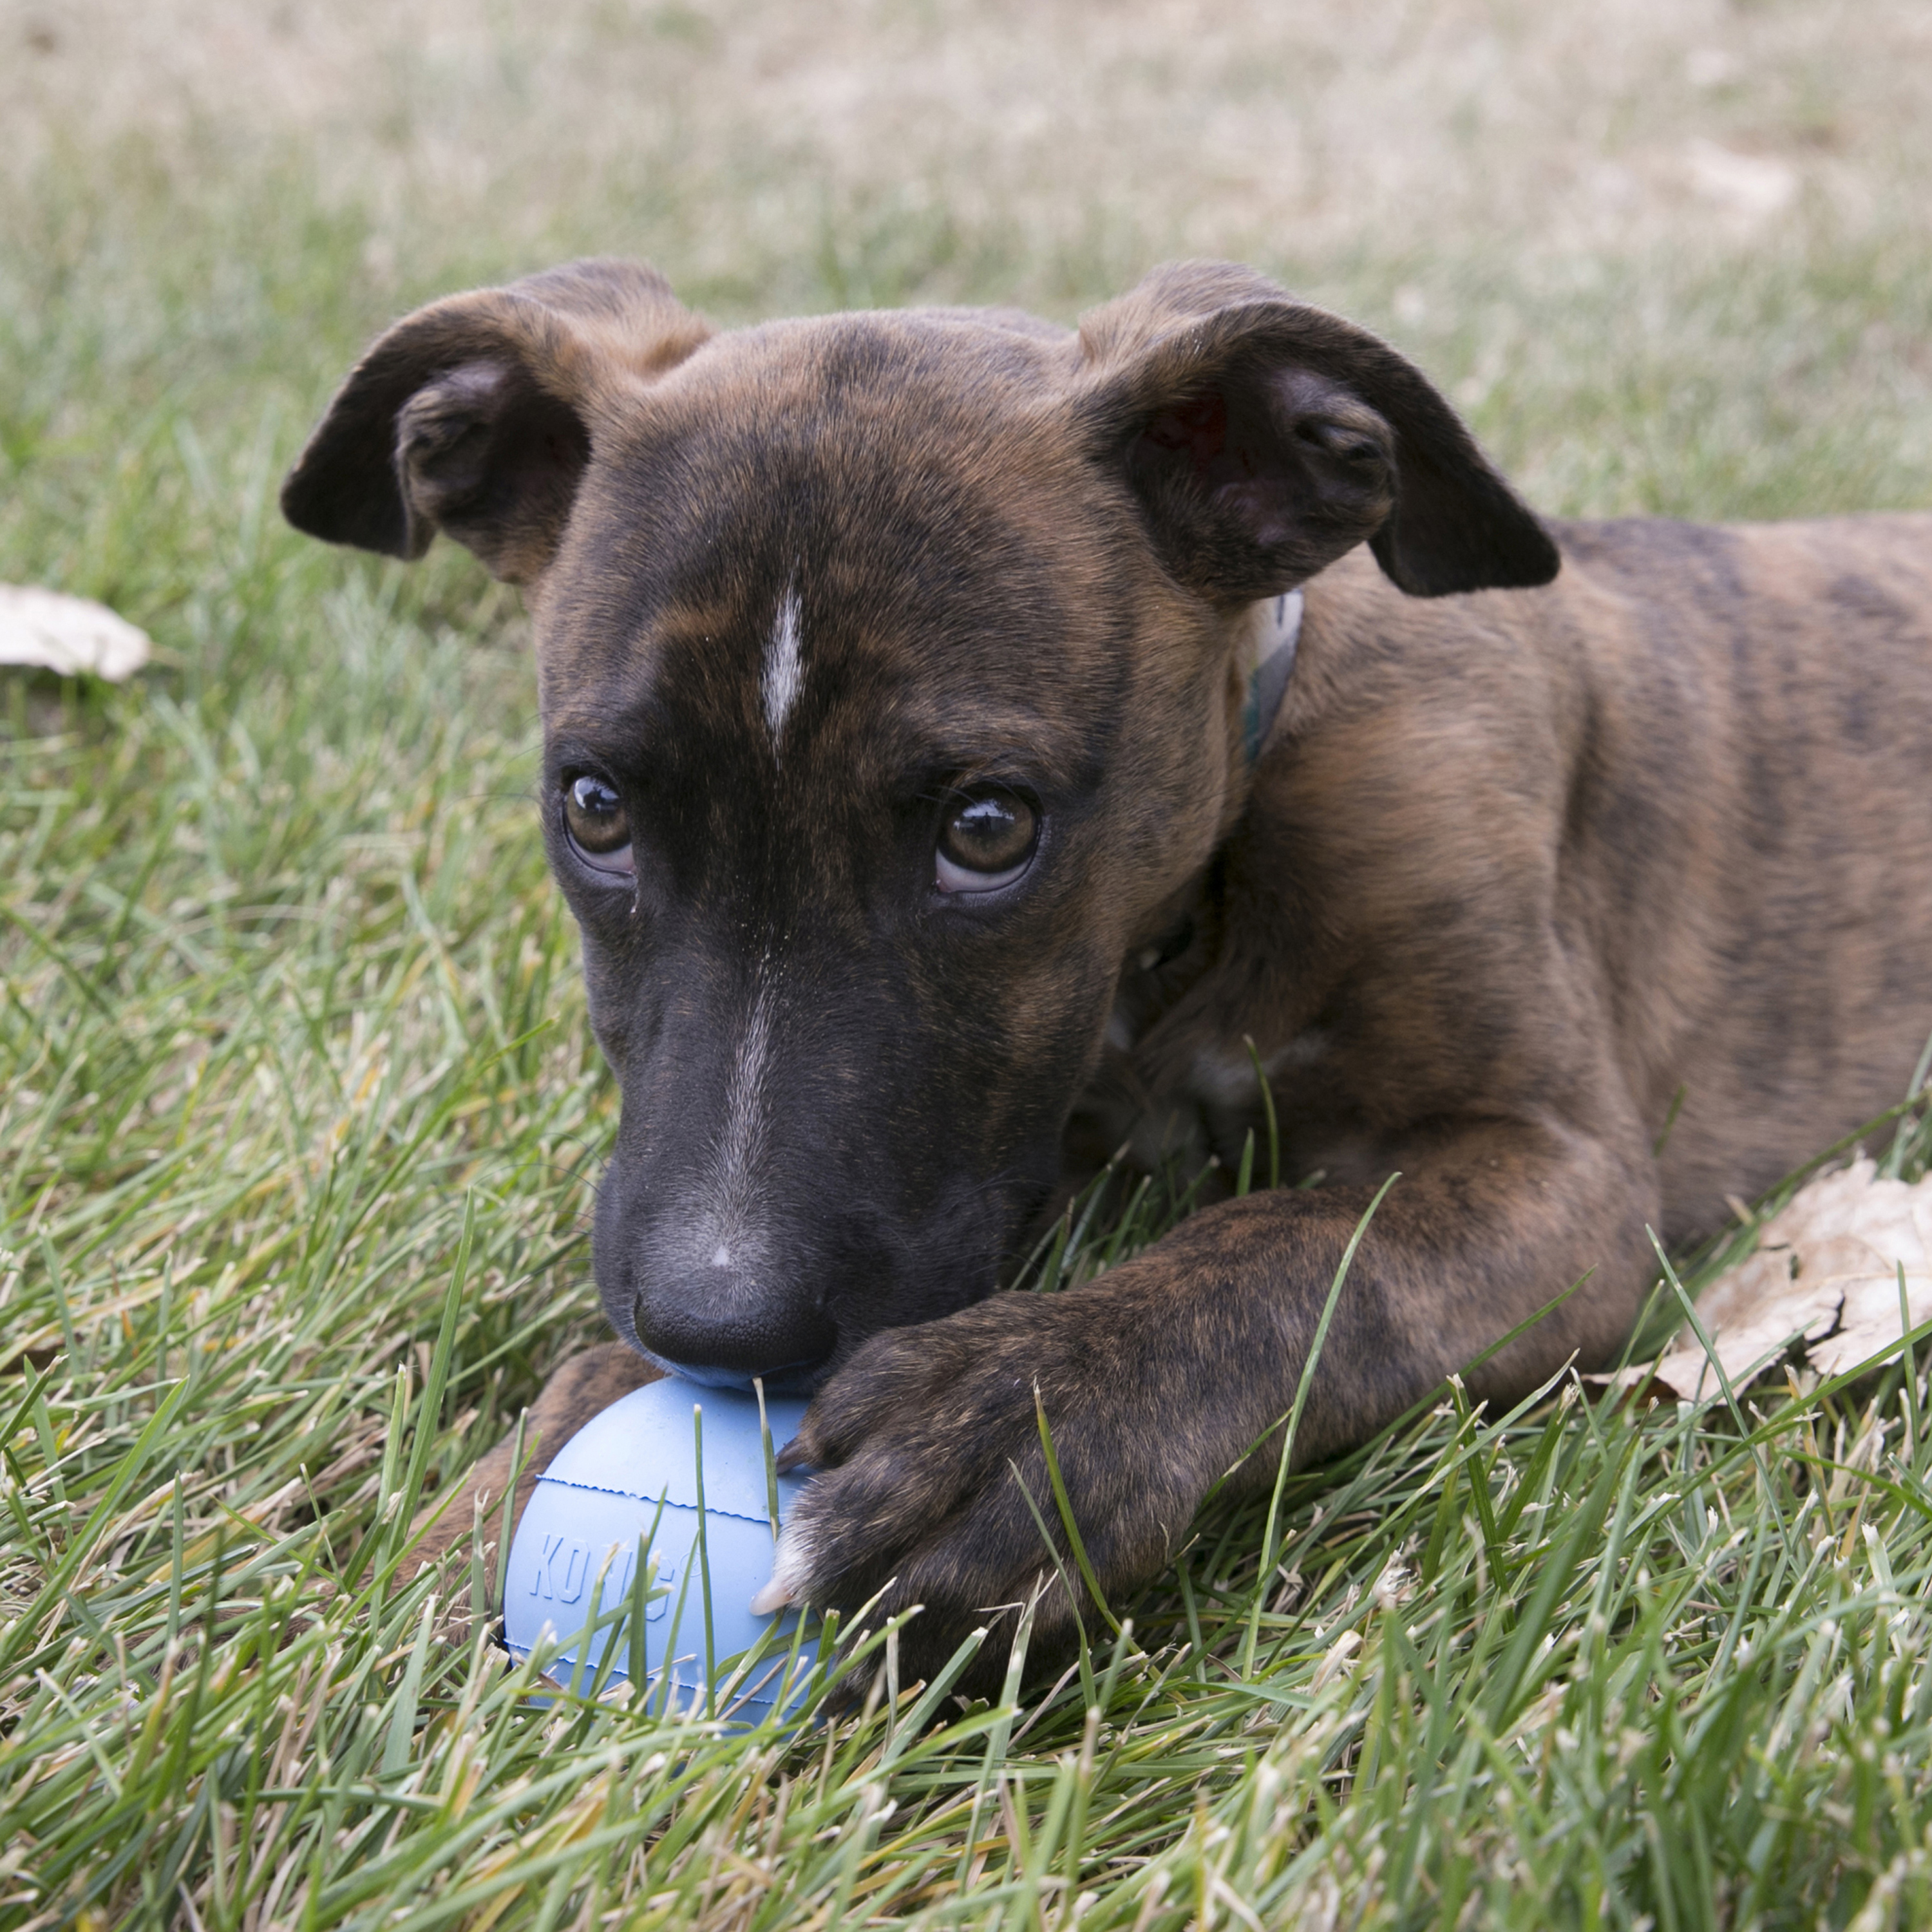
1276	628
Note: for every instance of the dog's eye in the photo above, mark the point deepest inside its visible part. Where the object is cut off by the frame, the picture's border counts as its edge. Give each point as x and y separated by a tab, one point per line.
987	842
598	827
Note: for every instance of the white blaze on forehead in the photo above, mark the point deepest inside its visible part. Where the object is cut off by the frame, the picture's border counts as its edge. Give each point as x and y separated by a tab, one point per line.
784	673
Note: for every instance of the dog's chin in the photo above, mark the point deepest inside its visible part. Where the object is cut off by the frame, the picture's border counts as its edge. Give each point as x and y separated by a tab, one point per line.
798	1378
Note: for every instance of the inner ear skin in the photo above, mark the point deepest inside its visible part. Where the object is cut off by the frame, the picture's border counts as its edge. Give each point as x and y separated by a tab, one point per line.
486	455
1259	481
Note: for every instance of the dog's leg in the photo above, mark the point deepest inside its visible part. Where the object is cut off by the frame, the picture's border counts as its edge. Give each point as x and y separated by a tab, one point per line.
1163	1377
586	1385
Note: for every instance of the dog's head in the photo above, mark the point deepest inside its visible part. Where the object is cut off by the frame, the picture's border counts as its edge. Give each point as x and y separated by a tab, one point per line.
887	666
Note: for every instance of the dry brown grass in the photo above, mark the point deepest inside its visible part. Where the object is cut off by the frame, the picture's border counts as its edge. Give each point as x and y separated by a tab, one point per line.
1139	128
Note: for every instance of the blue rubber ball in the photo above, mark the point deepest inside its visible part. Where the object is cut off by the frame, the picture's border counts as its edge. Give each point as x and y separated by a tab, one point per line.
628	1482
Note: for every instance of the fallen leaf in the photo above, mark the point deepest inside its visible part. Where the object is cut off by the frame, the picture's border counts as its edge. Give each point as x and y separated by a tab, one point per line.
49	630
1825	1270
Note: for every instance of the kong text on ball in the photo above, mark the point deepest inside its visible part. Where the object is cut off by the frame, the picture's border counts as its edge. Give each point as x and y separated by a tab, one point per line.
630	1481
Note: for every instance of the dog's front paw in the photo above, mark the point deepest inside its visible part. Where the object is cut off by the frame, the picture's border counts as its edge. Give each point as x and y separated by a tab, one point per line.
934	1484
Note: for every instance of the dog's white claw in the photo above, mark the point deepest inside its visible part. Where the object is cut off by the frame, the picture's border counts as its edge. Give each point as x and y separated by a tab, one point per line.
772	1598
789	1567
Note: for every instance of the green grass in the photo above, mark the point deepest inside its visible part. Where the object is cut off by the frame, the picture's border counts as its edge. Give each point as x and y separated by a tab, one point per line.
287	1000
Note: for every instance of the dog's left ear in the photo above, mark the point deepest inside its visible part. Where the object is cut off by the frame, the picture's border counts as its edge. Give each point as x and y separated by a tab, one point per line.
1264	438
476	415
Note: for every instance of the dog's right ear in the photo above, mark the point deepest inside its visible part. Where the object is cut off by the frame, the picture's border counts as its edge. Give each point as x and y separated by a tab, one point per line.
476	415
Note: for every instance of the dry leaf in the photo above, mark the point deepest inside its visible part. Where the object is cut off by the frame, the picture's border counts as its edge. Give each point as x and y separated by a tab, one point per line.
49	630
1826	1268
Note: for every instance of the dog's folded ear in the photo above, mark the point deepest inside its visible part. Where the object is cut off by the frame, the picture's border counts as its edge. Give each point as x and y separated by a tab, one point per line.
1264	438
476	415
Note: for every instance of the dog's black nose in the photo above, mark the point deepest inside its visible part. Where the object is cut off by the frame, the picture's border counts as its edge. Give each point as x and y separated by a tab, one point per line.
728	1343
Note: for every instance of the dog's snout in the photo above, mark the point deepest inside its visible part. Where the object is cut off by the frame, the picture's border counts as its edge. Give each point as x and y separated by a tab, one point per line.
725	1329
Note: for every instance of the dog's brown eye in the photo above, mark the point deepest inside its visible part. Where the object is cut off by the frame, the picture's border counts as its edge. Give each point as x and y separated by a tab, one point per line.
986	842
598	827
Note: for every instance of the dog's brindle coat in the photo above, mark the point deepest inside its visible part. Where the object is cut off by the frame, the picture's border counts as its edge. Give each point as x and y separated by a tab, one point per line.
1524	854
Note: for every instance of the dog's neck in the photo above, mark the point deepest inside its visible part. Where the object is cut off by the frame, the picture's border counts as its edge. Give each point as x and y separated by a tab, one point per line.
1175	951
1274	627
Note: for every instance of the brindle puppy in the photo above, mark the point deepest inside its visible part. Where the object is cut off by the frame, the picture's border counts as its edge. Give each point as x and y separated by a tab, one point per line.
930	827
